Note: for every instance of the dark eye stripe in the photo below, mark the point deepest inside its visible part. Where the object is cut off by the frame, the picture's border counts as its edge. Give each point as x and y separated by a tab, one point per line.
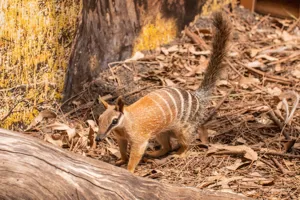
112	125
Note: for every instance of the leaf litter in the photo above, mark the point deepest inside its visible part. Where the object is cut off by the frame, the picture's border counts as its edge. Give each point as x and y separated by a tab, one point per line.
254	146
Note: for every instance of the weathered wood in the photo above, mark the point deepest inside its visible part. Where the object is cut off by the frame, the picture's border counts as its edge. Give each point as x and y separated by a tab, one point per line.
33	169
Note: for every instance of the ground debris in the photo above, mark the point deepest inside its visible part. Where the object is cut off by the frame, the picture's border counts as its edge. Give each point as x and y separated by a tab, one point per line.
263	65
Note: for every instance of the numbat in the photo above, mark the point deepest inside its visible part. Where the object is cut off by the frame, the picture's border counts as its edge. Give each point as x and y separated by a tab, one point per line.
164	113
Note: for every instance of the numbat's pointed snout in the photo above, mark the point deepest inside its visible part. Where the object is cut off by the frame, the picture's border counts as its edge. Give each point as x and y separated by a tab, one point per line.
100	137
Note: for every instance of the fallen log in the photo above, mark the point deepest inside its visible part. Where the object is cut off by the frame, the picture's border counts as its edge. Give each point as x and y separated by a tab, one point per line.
33	169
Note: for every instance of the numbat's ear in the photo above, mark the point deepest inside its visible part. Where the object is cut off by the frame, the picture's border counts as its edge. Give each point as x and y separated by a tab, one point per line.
120	105
104	103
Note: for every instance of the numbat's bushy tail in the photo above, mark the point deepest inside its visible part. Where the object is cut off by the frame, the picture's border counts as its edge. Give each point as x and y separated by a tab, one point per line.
164	113
219	50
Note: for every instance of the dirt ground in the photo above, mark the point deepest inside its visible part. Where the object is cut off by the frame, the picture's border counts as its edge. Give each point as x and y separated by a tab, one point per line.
254	138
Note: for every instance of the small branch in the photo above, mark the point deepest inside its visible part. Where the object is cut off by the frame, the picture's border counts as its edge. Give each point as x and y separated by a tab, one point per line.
284	171
225	152
10	111
295	24
294	55
233	68
196	39
268	76
279	124
286	155
213	112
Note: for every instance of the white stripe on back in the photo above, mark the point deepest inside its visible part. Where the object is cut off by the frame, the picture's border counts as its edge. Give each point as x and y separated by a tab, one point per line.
182	102
173	100
187	114
161	109
166	102
198	105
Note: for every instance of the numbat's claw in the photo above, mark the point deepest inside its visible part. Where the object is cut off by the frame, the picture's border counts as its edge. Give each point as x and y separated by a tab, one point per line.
121	162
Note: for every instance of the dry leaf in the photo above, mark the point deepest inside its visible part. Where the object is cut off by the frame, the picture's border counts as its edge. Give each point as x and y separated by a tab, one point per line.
63	127
165	51
138	55
254	52
267	57
255	174
225	181
245	82
237	164
296	73
169	82
278	68
249	153
160	57
254	64
192	49
274	91
233	54
48	138
172	48
93	125
288	37
241	140
264	119
40	117
222	82
76	103
266	182
115	152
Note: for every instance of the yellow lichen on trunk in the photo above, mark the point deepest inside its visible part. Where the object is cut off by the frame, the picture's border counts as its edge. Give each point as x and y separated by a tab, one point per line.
35	41
156	32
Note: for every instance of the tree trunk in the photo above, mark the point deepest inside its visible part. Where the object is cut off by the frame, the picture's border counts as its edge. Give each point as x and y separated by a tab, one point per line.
33	169
107	30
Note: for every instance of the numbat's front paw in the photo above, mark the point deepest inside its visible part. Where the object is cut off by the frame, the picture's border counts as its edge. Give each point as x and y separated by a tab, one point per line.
156	154
180	155
121	162
152	153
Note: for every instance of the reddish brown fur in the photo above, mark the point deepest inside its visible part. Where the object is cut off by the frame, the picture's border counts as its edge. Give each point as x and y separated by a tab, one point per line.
164	113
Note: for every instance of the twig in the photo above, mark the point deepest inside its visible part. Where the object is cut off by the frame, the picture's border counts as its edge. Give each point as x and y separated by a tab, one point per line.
279	154
284	171
268	76
72	97
296	54
225	152
260	21
85	106
196	39
233	68
291	28
213	112
10	111
277	121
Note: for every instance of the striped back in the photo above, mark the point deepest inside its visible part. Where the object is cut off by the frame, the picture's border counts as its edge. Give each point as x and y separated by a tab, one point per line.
176	104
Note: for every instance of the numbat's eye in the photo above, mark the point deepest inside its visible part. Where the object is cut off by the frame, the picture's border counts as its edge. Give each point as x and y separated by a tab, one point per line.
114	121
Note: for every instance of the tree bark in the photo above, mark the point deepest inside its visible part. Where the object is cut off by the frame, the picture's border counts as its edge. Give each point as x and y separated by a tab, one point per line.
107	30
33	169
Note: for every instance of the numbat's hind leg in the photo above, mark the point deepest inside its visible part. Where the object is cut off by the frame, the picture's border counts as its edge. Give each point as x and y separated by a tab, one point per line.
164	140
183	140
